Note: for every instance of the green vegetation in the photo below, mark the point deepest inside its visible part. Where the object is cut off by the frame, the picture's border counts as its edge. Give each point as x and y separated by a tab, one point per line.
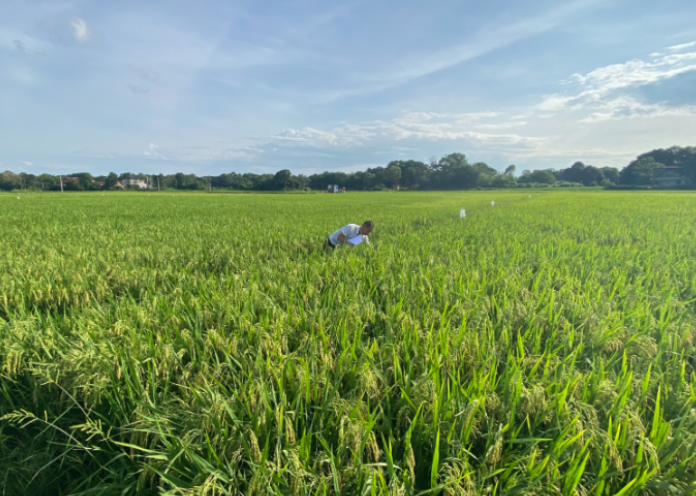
451	172
207	344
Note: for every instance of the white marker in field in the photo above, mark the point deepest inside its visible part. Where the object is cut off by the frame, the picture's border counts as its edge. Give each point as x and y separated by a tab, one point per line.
462	213
493	204
530	196
18	197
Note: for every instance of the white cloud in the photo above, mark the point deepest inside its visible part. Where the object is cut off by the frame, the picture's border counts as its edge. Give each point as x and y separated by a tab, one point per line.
555	103
81	31
599	90
28	164
200	153
152	150
676	48
636	72
409	131
414	125
503	125
627	107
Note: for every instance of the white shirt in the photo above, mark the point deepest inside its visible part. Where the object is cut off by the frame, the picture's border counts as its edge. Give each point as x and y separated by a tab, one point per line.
349	231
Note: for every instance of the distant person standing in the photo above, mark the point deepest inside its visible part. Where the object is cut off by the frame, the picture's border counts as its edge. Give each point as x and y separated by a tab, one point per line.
345	233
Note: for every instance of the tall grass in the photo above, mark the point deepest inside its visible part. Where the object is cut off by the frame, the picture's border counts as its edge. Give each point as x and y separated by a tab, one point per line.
207	344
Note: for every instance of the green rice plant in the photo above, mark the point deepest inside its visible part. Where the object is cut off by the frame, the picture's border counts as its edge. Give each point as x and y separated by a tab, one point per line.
209	344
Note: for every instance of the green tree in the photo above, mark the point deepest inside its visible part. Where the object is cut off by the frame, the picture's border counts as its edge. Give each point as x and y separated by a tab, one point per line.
369	180
676	156
453	171
282	179
110	181
640	172
85	180
538	176
47	182
504	181
179	180
9	181
392	175
611	174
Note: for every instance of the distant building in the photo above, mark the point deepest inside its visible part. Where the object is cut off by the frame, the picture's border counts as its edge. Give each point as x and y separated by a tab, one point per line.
119	186
135	183
670	177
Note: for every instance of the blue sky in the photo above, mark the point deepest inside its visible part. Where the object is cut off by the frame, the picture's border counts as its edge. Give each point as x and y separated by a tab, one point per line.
256	86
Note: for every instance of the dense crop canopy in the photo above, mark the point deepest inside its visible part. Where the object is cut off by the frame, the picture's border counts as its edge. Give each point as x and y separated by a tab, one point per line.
209	344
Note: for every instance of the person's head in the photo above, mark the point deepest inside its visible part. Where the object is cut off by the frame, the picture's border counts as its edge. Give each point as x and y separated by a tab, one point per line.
367	227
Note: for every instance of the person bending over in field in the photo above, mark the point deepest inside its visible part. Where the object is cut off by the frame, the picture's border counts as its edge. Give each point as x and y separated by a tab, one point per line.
344	234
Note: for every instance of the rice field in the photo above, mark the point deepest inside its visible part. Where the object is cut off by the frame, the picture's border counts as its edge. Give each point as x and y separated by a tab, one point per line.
208	344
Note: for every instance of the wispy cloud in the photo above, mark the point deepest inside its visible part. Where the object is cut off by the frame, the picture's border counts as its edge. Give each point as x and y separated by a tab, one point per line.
14	39
683	46
81	31
146	74
487	41
472	129
152	151
627	107
410	126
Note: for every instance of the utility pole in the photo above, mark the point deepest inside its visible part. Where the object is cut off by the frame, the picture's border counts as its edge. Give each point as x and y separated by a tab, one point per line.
158	183
210	188
61	183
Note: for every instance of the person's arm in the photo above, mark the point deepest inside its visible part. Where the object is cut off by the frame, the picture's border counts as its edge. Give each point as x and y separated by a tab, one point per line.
342	238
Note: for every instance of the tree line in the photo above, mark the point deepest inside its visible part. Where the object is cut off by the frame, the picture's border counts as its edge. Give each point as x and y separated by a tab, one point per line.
451	172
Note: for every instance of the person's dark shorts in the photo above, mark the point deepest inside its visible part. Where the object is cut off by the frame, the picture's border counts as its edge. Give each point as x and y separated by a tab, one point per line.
330	244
